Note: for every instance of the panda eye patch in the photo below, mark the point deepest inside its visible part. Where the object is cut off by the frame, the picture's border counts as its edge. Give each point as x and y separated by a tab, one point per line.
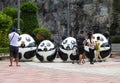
28	39
42	44
73	42
64	42
101	39
48	44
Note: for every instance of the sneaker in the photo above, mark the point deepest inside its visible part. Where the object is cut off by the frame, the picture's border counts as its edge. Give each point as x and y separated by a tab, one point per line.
100	60
91	63
73	62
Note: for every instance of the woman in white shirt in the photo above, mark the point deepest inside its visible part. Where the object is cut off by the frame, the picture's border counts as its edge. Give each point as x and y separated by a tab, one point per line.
91	44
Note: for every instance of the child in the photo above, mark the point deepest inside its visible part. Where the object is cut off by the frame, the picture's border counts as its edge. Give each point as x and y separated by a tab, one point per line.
98	57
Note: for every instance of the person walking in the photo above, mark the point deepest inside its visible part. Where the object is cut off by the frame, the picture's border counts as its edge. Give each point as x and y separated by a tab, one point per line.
98	47
14	38
80	42
91	45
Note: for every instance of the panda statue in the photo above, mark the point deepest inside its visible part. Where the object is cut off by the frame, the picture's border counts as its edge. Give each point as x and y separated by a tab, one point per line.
105	50
68	50
27	47
46	51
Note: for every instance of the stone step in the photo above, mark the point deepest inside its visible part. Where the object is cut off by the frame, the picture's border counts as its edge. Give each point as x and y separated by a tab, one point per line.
4	55
116	49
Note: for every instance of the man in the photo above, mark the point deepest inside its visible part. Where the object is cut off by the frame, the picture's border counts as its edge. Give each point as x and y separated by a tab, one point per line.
80	42
14	37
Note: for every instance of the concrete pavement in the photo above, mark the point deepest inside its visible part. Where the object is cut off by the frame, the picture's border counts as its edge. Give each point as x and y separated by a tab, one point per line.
59	72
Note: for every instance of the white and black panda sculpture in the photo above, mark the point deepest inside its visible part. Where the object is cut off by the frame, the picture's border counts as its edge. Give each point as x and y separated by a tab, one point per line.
27	47
105	46
46	51
67	49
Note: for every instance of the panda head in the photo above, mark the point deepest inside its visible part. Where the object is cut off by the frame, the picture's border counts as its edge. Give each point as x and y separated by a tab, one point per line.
27	40
46	45
104	42
68	43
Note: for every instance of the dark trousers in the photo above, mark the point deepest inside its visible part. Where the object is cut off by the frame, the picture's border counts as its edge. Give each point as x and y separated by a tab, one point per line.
91	54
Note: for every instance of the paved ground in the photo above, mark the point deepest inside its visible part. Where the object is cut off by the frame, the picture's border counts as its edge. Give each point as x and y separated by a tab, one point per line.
59	72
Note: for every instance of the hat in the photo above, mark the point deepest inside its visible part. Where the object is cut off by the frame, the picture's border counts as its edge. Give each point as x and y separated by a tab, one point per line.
13	29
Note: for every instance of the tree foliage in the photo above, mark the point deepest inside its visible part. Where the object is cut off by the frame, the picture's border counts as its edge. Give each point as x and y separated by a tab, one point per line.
42	32
117	6
12	12
5	24
15	23
29	17
29	7
5	21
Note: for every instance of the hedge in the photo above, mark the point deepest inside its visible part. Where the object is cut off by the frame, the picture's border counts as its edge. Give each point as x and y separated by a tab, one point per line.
115	39
12	12
4	50
29	17
41	34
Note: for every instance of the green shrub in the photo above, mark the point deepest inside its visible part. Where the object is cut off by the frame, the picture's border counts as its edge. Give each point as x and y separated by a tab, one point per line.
115	39
16	21
5	24
41	34
29	7
4	50
5	21
12	12
29	17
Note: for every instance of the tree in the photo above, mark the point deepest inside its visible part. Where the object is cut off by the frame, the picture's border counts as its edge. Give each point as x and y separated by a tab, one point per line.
29	17
5	21
12	12
41	34
5	24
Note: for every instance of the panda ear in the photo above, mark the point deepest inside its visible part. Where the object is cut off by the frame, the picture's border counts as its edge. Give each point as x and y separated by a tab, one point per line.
63	37
52	40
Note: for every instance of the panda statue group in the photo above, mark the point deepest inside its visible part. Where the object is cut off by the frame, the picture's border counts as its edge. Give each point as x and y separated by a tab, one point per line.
68	49
46	51
105	50
27	47
68	53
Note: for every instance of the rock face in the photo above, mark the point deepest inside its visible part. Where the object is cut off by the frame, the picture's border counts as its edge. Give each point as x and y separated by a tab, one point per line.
68	17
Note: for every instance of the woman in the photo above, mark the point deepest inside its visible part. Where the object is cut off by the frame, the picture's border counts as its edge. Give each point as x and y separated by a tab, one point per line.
91	45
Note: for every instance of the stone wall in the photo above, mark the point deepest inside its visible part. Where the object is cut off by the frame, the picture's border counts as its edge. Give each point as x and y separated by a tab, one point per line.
68	17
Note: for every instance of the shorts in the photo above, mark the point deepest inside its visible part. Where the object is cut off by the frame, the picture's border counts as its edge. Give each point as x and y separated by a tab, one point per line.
81	50
97	52
14	51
